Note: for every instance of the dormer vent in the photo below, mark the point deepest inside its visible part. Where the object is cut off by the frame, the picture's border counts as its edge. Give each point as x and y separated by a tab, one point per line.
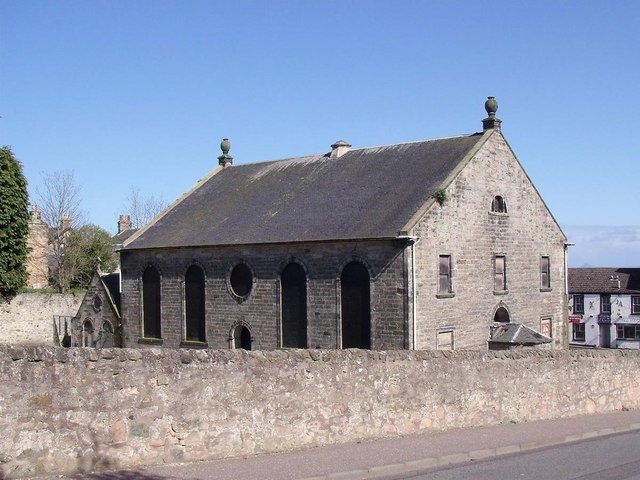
491	122
339	148
225	160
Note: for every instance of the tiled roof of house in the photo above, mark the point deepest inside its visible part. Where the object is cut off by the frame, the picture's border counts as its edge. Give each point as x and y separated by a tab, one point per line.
120	238
604	280
367	193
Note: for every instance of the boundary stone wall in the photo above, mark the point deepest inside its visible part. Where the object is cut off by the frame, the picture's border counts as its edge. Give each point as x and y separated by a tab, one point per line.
28	318
80	409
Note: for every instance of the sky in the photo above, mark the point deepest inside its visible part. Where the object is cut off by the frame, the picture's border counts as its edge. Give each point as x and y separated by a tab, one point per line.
138	94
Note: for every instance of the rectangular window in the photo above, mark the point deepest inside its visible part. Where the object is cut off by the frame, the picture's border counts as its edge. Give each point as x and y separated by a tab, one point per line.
444	274
628	332
500	282
445	339
545	281
605	304
578	332
578	303
545	327
635	305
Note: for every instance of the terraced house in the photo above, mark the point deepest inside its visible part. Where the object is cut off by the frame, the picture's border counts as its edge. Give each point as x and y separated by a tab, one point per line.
431	244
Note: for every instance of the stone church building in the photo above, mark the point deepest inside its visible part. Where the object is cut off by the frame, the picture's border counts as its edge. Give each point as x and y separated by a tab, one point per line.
432	244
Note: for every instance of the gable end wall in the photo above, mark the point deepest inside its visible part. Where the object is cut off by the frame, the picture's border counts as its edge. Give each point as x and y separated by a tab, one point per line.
464	228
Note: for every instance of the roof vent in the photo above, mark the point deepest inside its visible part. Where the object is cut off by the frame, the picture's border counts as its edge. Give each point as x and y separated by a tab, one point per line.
491	122
225	160
339	148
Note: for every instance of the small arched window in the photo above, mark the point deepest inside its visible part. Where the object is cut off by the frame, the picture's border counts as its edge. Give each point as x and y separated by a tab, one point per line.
499	205
501	316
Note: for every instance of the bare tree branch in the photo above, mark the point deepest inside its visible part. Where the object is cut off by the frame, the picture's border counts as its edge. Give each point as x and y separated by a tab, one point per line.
142	209
59	201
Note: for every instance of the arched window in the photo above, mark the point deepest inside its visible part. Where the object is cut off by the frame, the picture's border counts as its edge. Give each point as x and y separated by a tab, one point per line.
194	304
356	306
499	205
242	337
501	316
151	303
294	306
87	334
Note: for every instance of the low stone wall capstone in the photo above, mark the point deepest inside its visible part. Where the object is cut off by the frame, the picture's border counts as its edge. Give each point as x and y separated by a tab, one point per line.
77	410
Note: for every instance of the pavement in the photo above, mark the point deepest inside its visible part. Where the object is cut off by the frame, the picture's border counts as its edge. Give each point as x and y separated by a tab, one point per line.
391	457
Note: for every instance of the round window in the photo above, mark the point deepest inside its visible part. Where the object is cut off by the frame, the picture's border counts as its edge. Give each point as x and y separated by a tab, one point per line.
241	280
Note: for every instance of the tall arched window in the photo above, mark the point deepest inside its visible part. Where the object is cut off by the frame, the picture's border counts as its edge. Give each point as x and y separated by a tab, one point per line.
294	306
151	303
356	307
194	304
499	205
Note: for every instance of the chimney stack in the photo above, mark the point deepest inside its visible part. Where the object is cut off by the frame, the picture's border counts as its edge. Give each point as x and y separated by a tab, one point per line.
491	122
225	160
339	148
124	223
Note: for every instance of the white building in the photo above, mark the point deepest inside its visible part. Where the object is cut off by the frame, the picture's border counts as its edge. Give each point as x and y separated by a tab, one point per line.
604	307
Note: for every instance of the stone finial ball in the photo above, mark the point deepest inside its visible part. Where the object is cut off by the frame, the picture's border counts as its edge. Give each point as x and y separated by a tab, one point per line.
491	106
225	145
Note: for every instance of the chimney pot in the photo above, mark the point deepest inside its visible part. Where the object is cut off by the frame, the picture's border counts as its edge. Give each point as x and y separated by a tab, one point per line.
339	148
124	223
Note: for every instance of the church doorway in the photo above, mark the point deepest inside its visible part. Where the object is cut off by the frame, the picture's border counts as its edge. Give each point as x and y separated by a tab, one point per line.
242	337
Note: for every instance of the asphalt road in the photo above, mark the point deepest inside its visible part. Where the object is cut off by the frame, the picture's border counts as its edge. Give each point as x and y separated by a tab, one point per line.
615	457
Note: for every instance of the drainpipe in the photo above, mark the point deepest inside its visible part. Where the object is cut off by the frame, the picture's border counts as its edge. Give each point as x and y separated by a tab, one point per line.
411	241
565	310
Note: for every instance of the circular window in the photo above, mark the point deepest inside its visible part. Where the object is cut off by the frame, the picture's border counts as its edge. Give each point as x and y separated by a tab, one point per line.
241	280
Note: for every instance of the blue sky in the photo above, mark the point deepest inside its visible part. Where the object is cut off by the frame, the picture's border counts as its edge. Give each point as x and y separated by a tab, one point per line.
140	93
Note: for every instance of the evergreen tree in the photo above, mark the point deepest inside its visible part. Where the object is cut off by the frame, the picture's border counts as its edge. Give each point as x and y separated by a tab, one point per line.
14	225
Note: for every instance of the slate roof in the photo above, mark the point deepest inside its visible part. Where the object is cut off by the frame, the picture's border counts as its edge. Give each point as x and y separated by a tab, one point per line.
368	193
598	280
518	334
119	238
111	283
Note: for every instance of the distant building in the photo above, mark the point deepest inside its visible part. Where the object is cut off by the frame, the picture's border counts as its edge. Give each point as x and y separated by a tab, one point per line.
426	245
125	230
98	321
605	307
38	257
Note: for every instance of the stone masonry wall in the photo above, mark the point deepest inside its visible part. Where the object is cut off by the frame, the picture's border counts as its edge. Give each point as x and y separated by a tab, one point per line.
465	228
28	318
79	409
260	311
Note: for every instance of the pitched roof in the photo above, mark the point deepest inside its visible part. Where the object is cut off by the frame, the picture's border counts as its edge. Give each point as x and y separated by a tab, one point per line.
518	334
604	280
367	193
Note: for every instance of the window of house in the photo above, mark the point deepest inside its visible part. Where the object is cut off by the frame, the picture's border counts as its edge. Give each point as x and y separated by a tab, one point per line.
241	280
605	303
498	205
151	303
545	327
635	305
628	332
500	277
444	274
578	303
578	332
445	339
545	279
